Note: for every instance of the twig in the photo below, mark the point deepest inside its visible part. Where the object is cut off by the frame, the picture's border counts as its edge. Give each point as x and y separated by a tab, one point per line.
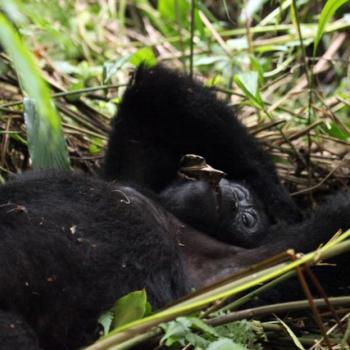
279	308
313	306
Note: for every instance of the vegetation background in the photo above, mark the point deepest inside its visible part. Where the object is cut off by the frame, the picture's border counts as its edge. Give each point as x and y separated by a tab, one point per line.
284	66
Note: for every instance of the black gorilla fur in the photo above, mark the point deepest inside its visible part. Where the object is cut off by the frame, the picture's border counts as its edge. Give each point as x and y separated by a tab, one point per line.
229	211
71	245
165	115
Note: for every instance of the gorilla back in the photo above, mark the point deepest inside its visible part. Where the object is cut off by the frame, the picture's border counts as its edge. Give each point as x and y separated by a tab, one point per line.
69	247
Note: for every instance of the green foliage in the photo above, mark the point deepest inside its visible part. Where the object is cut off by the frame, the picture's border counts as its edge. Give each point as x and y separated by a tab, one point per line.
328	11
177	12
44	133
225	344
249	84
110	68
131	307
46	144
96	146
191	330
144	55
332	129
13	10
295	339
242	332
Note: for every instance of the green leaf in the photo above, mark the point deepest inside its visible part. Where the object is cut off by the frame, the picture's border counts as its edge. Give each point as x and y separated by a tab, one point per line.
110	68
96	145
202	326
242	332
257	67
174	10
144	55
47	149
208	60
46	144
327	12
225	344
332	129
292	335
176	331
105	320
13	10
129	308
178	12
196	341
248	83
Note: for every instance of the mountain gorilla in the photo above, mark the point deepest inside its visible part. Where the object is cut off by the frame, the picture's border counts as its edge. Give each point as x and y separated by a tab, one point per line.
71	245
164	116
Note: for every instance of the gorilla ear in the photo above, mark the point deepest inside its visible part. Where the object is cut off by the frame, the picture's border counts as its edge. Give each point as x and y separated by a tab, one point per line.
141	73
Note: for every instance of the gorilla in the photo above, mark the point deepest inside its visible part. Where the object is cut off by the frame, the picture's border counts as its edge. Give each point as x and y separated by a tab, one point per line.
70	245
164	116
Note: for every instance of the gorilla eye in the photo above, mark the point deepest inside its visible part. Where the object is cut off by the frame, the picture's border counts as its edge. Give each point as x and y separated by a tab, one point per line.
248	220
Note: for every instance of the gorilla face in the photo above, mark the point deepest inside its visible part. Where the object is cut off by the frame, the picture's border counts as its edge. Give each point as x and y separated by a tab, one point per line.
231	212
243	221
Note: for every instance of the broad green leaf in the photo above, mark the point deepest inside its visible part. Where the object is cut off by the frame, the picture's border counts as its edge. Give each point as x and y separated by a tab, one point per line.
46	144
131	307
248	83
173	10
225	344
144	55
327	12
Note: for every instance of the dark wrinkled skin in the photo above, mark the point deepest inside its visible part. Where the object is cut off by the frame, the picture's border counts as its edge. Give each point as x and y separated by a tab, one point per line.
231	211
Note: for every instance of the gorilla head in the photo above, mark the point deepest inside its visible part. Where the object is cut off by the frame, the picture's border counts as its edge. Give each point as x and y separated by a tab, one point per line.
230	212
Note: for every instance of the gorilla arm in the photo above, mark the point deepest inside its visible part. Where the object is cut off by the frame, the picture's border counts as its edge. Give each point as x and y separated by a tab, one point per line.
210	261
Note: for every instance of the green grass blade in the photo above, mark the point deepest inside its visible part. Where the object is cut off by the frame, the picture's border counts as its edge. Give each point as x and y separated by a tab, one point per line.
327	12
46	143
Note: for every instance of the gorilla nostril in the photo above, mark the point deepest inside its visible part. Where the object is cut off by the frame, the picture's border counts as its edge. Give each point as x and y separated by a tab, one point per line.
249	220
234	205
